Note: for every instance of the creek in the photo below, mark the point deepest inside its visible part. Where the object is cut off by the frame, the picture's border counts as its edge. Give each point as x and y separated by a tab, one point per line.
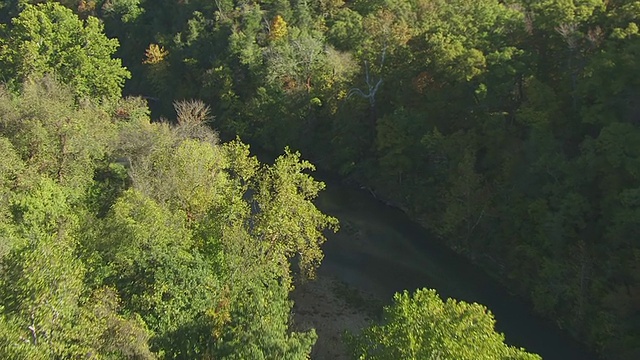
379	250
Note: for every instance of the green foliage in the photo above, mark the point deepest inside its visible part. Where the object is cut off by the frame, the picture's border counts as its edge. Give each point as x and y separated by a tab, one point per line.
126	10
11	166
256	327
124	238
147	255
43	279
531	171
287	219
53	135
259	325
49	39
346	31
422	326
45	312
509	128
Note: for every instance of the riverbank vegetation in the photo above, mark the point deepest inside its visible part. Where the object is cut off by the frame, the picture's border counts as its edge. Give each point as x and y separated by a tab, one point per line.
509	128
123	238
422	326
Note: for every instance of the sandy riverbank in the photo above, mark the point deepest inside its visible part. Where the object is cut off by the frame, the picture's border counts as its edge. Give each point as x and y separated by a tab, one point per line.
332	307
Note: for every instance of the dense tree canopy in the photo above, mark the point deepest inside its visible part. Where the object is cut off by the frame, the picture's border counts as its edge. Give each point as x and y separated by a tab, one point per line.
125	238
49	38
509	128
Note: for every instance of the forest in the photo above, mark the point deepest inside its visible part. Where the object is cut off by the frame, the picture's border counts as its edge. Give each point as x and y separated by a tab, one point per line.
509	128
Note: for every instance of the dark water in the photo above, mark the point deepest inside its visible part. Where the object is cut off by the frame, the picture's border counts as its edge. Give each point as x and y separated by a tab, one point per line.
381	251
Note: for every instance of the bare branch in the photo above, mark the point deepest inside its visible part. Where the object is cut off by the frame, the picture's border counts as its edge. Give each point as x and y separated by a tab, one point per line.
568	31
192	111
373	89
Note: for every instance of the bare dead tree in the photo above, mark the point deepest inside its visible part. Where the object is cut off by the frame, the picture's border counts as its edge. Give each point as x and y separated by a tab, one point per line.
192	111
193	118
570	34
372	84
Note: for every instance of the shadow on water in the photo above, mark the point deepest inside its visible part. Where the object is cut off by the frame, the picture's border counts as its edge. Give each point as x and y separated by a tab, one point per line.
380	250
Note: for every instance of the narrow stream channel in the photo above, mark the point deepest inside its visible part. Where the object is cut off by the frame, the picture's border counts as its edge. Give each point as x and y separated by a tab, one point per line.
381	251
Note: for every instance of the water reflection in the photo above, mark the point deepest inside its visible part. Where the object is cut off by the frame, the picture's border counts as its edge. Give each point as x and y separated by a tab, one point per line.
380	251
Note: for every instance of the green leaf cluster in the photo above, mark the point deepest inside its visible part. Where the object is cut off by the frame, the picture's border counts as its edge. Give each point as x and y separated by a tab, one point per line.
50	39
422	326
